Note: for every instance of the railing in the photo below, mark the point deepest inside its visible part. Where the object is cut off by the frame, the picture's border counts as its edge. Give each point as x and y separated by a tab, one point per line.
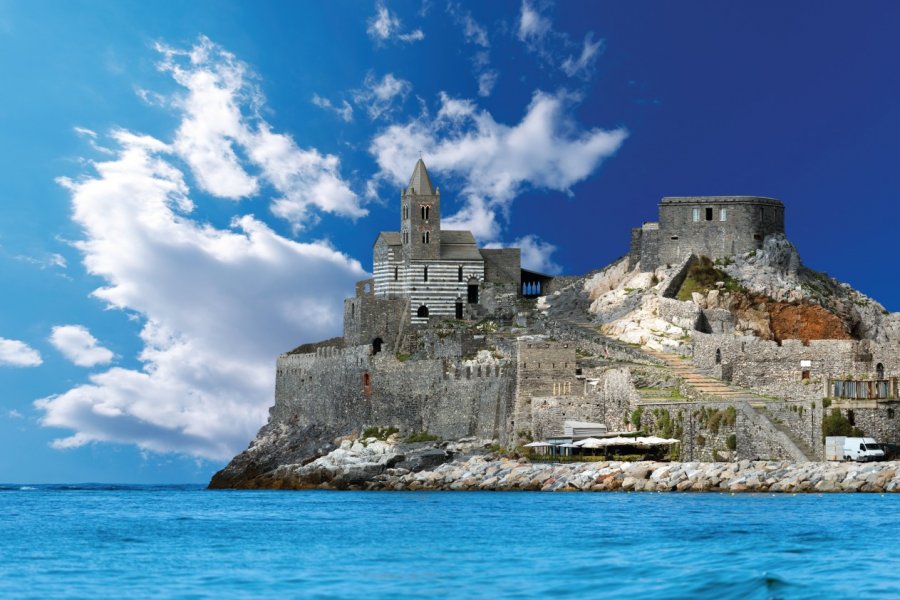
875	389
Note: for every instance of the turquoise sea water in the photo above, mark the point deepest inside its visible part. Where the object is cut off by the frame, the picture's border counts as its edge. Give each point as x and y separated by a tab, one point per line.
183	541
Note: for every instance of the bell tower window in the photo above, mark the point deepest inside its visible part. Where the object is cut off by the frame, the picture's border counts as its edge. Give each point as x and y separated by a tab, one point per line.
426	237
459	274
426	212
426	273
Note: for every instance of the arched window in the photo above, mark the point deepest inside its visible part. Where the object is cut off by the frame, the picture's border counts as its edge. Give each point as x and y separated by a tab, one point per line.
422	312
426	273
459	273
426	237
426	212
718	356
879	371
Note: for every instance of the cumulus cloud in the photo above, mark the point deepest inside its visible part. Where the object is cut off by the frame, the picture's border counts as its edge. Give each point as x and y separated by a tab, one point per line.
496	162
385	26
218	304
380	97
220	120
344	111
77	344
14	353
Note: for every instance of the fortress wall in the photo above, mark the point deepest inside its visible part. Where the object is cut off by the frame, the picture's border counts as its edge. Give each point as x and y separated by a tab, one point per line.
431	396
804	420
368	317
686	315
748	220
774	370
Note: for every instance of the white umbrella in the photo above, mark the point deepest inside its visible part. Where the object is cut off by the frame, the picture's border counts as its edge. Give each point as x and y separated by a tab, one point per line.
586	441
538	445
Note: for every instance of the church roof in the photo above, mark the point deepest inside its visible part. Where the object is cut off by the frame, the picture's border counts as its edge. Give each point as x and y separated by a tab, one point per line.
420	182
392	238
459	245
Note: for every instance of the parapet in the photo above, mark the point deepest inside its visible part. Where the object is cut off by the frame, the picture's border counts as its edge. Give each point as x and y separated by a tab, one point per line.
681	200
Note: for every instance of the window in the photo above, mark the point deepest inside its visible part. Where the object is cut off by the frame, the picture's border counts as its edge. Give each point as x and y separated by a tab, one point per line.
709	214
804	376
426	273
426	210
674	237
723	213
459	274
426	237
396	273
422	312
696	215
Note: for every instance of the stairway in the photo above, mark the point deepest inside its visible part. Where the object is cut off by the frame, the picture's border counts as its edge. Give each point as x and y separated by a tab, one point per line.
694	379
801	445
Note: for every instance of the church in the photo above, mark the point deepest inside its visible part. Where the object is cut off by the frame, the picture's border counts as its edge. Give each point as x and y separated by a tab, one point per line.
442	272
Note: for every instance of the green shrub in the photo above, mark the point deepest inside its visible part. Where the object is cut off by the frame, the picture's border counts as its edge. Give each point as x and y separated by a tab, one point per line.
402	357
423	436
730	416
838	424
636	417
379	433
731	442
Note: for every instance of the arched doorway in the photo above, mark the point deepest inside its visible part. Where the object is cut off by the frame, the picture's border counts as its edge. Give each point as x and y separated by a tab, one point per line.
879	371
473	291
376	345
459	308
422	312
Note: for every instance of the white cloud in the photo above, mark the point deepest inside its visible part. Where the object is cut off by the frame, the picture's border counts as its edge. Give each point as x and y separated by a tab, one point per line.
344	111
380	96
77	344
533	26
550	46
14	414
50	260
14	353
476	34
581	65
486	82
220	114
385	25
218	304
536	254
496	162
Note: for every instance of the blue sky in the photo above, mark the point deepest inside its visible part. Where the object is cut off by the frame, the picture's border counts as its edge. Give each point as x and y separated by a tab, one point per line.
190	189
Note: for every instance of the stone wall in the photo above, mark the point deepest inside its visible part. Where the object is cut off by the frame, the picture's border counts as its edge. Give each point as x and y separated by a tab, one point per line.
367	317
781	370
503	265
348	390
736	224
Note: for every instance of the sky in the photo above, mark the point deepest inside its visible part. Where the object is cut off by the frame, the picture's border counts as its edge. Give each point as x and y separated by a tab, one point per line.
190	189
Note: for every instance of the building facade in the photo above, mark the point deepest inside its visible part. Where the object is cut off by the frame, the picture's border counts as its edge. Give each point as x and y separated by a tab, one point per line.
712	226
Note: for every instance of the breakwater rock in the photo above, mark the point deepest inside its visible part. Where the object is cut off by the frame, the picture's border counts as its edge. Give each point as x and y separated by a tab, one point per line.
481	473
379	465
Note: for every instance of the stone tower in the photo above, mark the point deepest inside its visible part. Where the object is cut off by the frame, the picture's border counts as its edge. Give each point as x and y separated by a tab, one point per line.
420	217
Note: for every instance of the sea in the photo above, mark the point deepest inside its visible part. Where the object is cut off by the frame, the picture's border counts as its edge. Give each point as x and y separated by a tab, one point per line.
102	541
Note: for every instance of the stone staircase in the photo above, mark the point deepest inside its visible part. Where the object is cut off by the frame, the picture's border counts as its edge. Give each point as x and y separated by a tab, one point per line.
801	445
714	389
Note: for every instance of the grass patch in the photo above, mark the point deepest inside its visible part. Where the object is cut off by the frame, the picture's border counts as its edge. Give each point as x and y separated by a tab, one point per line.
379	433
702	277
423	436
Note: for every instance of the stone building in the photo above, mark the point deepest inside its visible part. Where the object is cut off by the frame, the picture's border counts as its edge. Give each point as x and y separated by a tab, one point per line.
712	226
439	272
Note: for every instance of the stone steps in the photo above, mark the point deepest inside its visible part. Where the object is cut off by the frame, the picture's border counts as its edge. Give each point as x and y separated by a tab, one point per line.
702	383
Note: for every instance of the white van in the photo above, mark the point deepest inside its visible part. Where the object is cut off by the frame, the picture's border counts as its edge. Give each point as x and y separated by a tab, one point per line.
860	449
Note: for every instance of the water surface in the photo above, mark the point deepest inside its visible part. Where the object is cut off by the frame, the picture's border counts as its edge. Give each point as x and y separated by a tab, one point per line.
184	541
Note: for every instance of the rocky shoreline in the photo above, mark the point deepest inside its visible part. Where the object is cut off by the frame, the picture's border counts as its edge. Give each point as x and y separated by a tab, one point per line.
466	465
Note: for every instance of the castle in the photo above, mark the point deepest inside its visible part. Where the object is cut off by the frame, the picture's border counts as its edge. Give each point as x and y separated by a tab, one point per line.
711	226
446	339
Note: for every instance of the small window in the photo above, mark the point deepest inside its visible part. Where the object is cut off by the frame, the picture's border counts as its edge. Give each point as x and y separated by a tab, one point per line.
426	237
723	214
804	376
757	237
709	213
459	274
426	273
674	237
396	273
696	215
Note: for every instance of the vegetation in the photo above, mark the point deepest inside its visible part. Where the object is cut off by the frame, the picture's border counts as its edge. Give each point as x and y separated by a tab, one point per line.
379	433
636	417
731	442
402	357
702	276
838	424
423	436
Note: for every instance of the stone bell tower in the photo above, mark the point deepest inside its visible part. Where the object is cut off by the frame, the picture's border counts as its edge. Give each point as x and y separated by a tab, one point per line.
420	217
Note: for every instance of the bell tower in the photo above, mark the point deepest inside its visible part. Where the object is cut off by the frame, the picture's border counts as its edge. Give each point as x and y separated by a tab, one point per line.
420	217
